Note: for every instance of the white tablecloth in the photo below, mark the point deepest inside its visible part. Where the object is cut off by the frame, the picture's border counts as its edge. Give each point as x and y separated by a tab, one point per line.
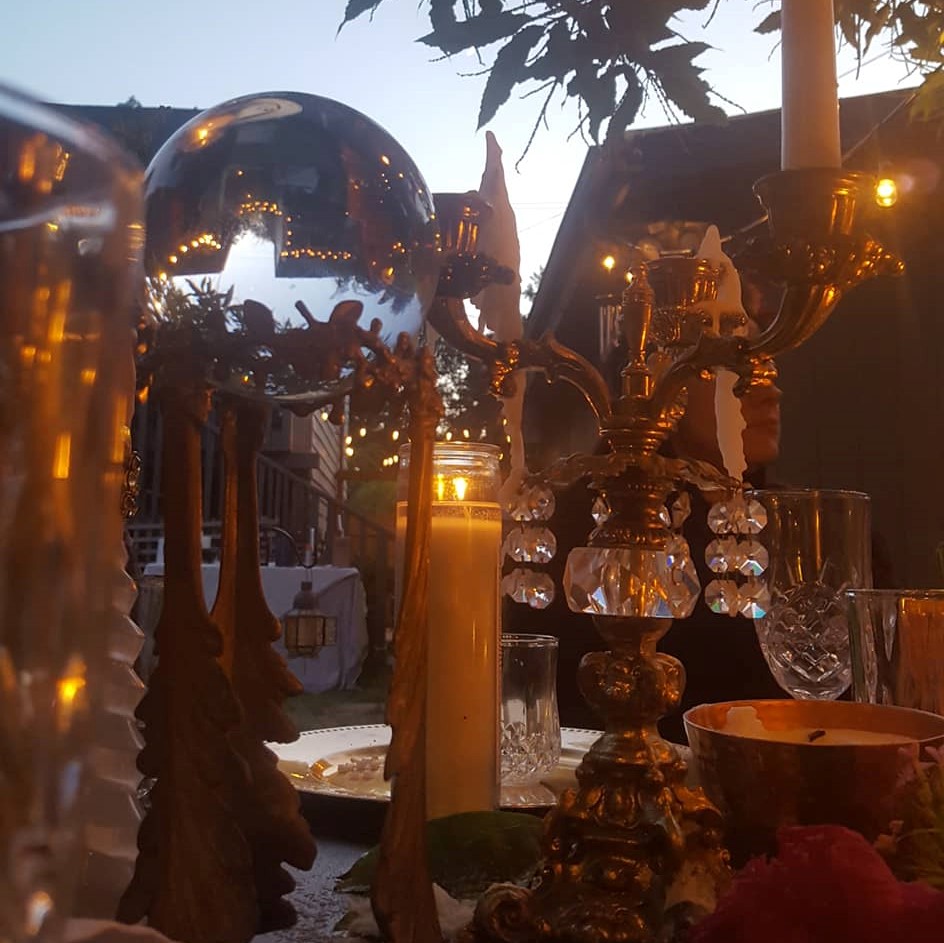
340	593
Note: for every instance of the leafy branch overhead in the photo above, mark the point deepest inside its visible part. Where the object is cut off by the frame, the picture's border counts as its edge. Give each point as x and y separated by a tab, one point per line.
613	55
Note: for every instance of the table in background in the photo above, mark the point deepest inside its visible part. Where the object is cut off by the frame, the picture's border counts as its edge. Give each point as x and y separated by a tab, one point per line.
340	593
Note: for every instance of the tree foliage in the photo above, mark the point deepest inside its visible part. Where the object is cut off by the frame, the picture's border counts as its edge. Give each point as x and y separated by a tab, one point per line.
611	55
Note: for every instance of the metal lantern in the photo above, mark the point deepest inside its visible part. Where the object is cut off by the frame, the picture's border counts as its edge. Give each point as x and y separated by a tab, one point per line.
306	629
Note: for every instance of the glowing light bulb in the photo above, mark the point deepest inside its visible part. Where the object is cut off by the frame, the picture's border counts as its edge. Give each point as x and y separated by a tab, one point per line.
886	192
349	452
362	432
395	434
608	262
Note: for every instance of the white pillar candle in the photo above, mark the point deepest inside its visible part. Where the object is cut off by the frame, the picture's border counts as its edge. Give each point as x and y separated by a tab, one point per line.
462	698
810	115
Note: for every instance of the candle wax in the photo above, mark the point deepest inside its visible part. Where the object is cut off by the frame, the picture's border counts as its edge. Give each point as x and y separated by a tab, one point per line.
810	114
745	722
463	660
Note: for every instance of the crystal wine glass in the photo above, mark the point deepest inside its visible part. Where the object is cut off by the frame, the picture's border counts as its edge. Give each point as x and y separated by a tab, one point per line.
819	543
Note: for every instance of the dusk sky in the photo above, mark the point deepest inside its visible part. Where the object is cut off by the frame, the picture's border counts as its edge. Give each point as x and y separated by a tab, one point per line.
201	52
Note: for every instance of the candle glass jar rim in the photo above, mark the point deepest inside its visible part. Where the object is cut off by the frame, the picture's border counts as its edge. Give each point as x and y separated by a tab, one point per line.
825	494
455	450
528	640
867	593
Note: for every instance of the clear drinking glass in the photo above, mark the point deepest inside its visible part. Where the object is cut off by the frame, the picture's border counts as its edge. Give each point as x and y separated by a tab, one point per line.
897	638
820	545
530	727
70	234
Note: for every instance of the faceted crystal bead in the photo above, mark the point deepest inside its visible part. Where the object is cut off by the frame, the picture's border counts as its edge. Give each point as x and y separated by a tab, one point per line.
601	511
753	558
728	516
681	509
541	502
530	544
677	550
541	590
721	555
517	506
514	545
542	544
629	581
531	503
682	587
515	584
723	597
755	598
755	517
665	516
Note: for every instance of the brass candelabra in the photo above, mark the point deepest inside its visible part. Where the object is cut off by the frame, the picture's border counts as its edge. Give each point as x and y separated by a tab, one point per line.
621	851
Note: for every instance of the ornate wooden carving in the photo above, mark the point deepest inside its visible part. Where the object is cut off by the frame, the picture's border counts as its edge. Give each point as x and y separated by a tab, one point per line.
194	876
402	894
270	813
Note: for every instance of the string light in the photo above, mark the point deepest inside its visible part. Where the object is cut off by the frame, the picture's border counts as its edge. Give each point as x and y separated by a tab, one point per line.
349	452
348	439
395	434
886	192
324	254
362	432
609	262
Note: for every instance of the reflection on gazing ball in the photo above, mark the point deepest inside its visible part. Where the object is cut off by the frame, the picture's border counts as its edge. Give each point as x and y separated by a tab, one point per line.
286	197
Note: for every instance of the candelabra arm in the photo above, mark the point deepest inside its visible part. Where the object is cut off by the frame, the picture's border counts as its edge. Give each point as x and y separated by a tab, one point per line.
448	317
817	219
553	359
710	352
558	362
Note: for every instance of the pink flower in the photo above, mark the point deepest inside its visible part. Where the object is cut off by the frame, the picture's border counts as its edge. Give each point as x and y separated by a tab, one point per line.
826	884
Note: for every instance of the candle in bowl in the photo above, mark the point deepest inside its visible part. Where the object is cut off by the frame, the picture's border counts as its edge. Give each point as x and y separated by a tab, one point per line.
462	744
810	96
767	764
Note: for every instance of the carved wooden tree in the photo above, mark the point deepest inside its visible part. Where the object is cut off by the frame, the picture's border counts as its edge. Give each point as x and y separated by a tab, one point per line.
269	811
194	875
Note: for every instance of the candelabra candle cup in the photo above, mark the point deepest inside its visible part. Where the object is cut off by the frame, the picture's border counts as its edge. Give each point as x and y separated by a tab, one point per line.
71	224
530	726
819	544
897	638
463	660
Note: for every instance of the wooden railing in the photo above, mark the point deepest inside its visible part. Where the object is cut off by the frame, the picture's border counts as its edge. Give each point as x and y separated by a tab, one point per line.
287	503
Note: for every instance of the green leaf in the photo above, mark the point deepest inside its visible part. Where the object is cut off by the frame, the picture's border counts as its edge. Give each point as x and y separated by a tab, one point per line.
558	56
929	102
769	24
357	7
467	853
628	107
475	32
507	71
599	95
442	14
680	80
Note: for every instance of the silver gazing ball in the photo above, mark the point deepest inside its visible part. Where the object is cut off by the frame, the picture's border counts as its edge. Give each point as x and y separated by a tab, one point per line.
272	200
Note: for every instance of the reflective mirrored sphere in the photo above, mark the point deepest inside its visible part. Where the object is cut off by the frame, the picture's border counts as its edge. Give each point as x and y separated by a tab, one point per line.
292	203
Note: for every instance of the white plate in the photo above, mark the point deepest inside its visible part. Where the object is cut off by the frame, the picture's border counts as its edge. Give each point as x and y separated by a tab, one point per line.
347	762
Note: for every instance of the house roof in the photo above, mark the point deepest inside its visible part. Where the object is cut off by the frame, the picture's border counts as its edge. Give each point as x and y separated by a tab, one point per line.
139	129
690	172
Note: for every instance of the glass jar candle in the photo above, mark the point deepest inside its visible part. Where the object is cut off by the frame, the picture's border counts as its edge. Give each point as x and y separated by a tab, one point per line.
463	627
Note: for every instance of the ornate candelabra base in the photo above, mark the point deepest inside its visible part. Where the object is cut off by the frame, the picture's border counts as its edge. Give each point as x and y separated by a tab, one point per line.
634	854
